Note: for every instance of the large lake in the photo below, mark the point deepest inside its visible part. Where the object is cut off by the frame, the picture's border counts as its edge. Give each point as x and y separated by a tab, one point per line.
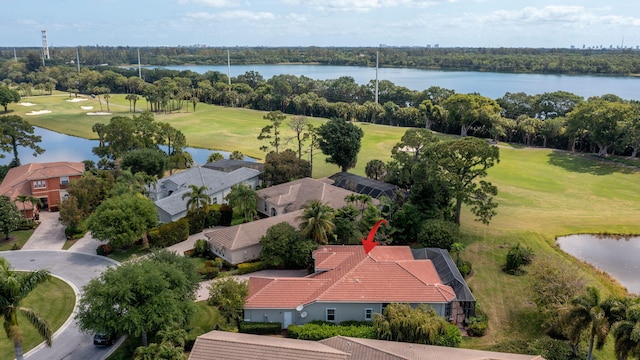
617	256
493	85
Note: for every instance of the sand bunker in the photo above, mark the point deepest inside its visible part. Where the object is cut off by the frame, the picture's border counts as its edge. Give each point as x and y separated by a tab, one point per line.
77	99
86	107
39	112
26	104
99	113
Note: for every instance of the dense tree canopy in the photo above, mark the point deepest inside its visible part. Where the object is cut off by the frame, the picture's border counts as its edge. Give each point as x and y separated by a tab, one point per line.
123	220
140	297
16	132
10	216
8	96
283	246
340	141
228	295
152	162
285	166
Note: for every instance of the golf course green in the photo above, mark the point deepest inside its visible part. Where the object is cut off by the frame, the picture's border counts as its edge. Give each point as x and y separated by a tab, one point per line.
542	194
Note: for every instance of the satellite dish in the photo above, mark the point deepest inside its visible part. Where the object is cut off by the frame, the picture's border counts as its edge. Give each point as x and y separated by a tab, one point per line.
303	314
299	308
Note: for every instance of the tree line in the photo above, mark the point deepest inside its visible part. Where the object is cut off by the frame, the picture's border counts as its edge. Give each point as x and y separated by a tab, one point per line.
599	60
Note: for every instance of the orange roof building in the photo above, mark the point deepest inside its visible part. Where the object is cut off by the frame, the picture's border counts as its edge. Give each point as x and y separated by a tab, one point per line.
45	181
349	285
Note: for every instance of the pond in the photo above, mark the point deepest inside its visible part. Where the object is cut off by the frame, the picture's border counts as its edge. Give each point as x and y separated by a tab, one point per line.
615	255
61	147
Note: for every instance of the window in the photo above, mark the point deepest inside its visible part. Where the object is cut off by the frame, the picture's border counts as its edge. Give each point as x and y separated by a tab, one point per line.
39	184
214	200
368	312
64	180
331	315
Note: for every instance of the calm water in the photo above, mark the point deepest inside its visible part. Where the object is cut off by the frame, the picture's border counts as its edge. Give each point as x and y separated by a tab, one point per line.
60	147
616	256
493	85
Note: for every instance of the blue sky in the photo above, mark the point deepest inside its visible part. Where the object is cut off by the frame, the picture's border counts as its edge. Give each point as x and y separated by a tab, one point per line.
449	23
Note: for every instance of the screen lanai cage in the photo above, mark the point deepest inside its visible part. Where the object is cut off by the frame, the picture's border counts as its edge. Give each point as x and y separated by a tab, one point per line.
464	306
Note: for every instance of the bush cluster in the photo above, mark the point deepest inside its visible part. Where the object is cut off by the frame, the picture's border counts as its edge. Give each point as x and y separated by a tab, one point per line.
246	268
208	272
104	249
477	325
169	234
260	328
314	331
438	233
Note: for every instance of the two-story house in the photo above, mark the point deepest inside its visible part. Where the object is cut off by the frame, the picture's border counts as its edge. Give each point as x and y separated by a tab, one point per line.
45	181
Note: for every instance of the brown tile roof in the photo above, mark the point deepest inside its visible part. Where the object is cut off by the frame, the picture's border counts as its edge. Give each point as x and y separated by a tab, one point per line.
222	345
244	235
296	193
17	181
388	274
367	349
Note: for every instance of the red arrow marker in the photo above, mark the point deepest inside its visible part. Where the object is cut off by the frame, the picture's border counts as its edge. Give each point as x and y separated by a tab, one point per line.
369	244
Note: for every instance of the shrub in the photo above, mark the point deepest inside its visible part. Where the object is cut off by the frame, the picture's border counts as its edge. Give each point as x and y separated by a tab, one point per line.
202	248
517	257
452	337
477	326
226	215
212	219
464	267
196	221
438	233
316	332
208	272
169	234
246	268
260	328
26	224
104	249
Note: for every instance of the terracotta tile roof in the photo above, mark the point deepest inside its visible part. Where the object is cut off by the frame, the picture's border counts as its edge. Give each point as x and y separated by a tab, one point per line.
366	349
244	235
388	274
222	345
17	181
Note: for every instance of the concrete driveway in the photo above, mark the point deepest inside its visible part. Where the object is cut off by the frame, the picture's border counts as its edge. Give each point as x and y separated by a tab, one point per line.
49	235
77	269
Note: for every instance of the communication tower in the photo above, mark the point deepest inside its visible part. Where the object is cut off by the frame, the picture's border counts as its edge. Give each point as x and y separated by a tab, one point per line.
45	45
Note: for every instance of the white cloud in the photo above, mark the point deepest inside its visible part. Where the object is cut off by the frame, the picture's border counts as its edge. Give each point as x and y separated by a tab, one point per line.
567	15
362	6
232	15
213	3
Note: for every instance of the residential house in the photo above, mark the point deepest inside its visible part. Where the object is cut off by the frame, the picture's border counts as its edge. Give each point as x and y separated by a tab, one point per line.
236	346
228	165
282	203
45	181
291	196
349	284
167	193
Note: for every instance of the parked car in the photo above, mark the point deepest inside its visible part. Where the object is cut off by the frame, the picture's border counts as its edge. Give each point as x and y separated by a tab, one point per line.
103	339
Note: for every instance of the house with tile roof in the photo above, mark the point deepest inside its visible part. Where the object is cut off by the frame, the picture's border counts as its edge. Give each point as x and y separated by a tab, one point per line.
45	181
236	346
281	203
291	196
349	284
167	192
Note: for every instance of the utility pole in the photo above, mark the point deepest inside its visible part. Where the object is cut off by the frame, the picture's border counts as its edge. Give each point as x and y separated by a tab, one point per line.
78	58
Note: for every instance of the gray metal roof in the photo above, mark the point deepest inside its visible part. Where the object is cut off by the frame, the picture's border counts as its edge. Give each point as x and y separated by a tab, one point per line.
363	185
214	180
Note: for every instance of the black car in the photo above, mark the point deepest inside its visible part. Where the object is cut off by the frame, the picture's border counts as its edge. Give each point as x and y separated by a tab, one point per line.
103	339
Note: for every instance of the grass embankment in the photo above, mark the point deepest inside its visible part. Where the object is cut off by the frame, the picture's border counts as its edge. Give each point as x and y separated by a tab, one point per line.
54	300
542	194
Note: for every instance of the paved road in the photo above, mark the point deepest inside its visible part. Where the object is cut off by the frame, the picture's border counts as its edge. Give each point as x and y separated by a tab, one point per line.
76	269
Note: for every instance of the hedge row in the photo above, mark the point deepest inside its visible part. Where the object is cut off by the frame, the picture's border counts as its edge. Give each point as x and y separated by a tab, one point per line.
169	234
260	328
316	332
246	268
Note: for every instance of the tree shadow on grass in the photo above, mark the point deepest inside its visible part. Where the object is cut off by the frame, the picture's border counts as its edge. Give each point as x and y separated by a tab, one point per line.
587	163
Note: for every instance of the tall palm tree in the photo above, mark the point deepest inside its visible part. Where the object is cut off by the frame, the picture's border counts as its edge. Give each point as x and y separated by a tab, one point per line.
626	332
32	199
244	198
587	314
14	287
317	222
198	198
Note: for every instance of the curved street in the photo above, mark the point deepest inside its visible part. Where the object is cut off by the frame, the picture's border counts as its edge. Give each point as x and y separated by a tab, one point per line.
77	269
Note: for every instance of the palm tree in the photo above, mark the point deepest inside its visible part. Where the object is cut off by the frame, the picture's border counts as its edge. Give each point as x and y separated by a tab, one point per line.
244	198
587	314
626	332
32	199
14	287
198	198
317	222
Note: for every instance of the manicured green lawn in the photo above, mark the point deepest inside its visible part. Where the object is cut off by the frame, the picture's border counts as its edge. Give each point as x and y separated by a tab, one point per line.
542	194
53	300
19	237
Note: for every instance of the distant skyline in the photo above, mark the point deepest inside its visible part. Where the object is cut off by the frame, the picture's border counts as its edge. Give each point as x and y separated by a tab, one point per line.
229	23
